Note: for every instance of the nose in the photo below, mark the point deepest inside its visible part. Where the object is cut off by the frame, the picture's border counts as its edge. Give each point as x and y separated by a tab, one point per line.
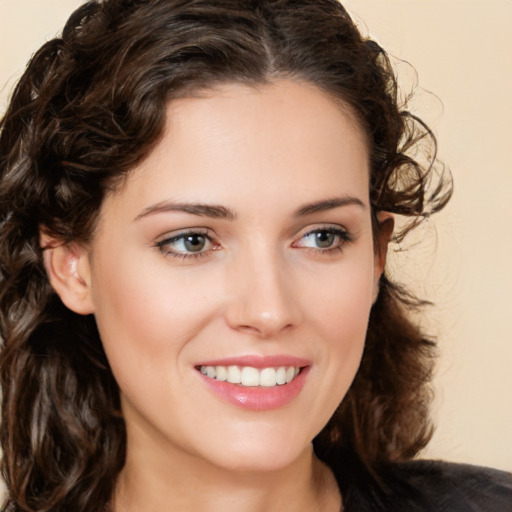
263	299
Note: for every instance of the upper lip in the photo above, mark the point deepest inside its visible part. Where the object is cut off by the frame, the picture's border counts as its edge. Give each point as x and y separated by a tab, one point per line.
258	361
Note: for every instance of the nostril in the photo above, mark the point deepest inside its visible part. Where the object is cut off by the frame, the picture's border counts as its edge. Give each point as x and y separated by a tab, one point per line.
263	330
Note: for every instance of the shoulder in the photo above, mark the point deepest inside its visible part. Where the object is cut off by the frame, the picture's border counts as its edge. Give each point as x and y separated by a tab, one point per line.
456	487
426	486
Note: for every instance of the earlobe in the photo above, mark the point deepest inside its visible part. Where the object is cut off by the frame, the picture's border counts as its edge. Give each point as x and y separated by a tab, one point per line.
68	269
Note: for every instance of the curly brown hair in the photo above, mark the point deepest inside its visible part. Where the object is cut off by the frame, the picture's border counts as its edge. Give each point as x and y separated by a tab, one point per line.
89	107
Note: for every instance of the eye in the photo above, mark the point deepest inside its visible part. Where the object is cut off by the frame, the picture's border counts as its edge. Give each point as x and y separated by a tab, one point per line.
324	239
187	244
320	239
191	243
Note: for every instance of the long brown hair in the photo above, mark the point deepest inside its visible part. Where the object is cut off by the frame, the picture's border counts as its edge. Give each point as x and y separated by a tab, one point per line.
89	107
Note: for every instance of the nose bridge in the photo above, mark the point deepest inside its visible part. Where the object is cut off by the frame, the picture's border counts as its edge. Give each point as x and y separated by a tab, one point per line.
262	301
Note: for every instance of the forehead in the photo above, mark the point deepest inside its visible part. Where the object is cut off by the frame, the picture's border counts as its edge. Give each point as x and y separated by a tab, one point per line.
278	140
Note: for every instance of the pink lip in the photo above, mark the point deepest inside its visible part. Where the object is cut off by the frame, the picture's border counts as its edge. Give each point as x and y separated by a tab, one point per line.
258	398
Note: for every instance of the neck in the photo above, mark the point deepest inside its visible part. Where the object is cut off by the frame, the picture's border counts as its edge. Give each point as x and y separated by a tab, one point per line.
305	485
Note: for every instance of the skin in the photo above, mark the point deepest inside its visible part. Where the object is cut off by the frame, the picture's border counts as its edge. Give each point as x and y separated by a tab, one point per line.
261	285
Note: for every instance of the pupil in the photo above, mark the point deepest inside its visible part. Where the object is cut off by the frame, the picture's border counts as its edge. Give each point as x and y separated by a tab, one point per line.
324	239
194	243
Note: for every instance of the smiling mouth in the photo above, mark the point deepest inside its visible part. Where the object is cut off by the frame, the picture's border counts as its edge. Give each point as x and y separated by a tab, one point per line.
248	376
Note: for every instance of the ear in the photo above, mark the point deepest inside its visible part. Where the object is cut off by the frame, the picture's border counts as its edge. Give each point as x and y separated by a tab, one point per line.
386	224
68	269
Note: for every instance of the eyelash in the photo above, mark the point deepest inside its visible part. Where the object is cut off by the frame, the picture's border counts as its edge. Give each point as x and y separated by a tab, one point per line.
343	235
163	245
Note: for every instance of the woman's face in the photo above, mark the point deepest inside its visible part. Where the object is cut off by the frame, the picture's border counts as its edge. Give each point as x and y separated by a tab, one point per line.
240	248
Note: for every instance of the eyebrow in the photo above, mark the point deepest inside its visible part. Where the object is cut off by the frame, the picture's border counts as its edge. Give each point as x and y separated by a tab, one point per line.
202	210
221	212
329	204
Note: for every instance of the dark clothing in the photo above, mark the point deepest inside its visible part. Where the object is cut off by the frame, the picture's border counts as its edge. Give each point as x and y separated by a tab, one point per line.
426	486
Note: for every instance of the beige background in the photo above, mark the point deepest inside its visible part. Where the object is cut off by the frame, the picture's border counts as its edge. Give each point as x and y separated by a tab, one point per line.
462	53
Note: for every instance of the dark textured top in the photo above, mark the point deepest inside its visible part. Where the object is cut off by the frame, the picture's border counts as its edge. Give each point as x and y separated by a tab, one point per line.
426	486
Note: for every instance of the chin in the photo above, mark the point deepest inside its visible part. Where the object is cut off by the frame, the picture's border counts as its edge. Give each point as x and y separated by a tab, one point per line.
262	462
252	452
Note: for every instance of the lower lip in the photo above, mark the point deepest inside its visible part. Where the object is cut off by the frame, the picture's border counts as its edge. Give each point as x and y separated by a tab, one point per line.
258	398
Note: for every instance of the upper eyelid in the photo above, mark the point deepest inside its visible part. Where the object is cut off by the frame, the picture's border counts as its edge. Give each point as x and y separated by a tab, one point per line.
163	245
214	237
321	227
175	235
328	227
204	231
345	235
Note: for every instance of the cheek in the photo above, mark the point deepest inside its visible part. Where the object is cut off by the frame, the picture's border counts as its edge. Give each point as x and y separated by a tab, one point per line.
338	314
341	300
147	316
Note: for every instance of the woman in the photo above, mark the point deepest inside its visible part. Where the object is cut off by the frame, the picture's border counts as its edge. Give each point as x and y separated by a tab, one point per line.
196	203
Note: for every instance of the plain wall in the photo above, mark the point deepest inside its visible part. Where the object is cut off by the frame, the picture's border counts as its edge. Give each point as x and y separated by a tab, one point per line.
461	51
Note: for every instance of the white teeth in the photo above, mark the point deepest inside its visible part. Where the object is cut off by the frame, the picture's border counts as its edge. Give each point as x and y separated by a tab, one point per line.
281	375
268	377
221	373
234	375
252	377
